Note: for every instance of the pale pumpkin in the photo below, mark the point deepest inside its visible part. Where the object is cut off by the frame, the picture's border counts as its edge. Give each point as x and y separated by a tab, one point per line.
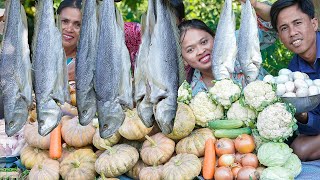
116	160
134	143
30	156
69	110
79	165
33	138
182	166
184	122
151	173
67	150
76	135
133	128
157	149
195	142
134	172
46	170
98	141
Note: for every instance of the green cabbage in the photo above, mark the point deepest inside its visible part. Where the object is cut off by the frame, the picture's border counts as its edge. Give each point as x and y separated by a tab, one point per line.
274	154
293	164
276	173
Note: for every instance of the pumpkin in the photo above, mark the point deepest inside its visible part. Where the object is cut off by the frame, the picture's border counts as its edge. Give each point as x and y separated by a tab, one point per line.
184	122
79	165
132	127
134	143
68	109
195	142
67	150
30	156
116	160
182	166
98	141
134	172
45	170
74	134
33	138
157	149
153	172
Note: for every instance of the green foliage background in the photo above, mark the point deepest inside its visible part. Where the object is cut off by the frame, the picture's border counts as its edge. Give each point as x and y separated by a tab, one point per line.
275	57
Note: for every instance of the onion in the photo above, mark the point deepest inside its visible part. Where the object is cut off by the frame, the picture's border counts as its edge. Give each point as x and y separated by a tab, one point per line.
223	173
250	160
244	143
235	169
226	160
247	172
238	157
224	146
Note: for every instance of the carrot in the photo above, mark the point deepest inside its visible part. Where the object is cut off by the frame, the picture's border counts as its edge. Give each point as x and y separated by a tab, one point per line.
209	161
55	149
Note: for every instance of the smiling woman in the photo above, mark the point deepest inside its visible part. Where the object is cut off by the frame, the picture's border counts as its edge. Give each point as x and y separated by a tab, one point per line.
70	16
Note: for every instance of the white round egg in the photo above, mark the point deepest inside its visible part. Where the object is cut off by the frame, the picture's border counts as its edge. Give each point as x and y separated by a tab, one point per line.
300	83
284	71
313	90
289	86
281	89
302	92
316	82
269	79
281	79
309	82
297	75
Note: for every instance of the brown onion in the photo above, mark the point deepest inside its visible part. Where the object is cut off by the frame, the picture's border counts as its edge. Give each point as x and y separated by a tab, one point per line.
226	160
250	160
223	173
247	173
224	146
244	143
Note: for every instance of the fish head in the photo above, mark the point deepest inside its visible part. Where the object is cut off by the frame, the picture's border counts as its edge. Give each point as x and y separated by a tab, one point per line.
48	116
16	120
86	109
165	113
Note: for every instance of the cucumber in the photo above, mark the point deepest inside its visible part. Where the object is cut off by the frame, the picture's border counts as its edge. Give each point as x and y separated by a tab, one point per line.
231	133
225	124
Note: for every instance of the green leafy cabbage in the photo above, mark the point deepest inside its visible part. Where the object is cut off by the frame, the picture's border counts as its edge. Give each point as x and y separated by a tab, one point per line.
293	164
274	154
276	173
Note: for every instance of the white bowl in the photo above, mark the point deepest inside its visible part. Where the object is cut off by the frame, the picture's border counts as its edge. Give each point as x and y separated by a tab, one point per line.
303	104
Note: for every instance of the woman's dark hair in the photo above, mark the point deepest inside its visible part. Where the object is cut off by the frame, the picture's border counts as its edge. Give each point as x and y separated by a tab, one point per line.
306	7
184	26
178	6
69	3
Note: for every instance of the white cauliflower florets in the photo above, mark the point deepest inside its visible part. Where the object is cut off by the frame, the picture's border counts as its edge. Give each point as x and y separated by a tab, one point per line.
225	92
184	93
239	112
259	94
205	109
276	123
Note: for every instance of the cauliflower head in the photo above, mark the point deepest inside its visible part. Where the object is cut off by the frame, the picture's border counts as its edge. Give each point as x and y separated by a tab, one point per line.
276	122
205	110
185	93
259	94
225	92
243	113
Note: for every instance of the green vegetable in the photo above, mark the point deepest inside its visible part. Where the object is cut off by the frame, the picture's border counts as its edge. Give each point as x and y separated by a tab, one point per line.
293	164
274	154
276	173
225	124
231	133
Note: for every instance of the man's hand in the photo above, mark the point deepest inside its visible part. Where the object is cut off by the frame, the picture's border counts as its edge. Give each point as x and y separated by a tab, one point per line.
302	117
